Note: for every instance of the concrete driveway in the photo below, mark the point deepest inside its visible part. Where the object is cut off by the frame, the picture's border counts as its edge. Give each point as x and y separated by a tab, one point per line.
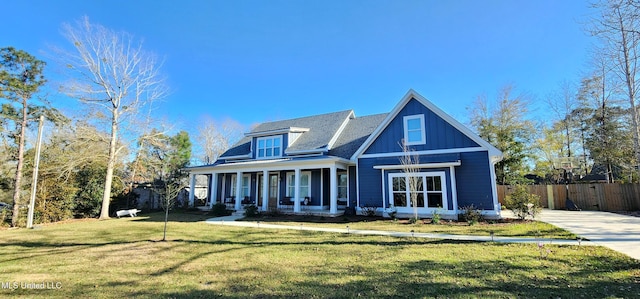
618	232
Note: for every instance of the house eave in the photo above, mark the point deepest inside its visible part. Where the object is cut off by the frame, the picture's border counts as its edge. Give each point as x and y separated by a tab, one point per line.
309	151
424	165
273	165
237	157
278	131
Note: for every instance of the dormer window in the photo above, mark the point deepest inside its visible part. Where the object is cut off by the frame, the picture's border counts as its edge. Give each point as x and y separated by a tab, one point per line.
414	132
269	147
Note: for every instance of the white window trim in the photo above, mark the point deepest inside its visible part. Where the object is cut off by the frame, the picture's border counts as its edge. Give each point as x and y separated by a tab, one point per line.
291	183
279	137
346	187
408	208
232	192
423	137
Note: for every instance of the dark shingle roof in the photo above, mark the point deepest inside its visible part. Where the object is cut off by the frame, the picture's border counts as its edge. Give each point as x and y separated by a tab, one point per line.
354	134
321	129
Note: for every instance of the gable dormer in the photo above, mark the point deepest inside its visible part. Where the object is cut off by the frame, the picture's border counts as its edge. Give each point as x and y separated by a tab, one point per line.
272	144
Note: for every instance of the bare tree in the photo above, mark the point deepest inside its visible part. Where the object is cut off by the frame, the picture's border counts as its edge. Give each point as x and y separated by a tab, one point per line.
215	137
507	127
618	28
409	162
112	72
563	102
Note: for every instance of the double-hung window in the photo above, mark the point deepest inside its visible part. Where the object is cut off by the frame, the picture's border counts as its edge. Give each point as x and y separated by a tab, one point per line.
244	186
305	185
342	185
269	147
414	131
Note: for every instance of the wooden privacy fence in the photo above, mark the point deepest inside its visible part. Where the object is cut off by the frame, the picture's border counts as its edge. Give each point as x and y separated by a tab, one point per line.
596	197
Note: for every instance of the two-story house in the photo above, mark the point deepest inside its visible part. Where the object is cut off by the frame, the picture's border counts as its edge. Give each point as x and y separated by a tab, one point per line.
326	163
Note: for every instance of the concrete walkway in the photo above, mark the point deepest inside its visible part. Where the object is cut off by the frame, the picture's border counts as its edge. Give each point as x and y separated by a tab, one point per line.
231	221
618	232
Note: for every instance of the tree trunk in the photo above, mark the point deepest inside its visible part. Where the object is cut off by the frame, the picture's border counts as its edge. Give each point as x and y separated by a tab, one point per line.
630	73
106	198
18	177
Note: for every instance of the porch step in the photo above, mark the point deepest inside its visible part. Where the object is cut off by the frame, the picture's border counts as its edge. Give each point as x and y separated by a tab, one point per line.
238	213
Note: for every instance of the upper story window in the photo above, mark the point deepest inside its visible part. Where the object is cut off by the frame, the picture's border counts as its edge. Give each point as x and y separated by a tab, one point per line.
269	147
414	131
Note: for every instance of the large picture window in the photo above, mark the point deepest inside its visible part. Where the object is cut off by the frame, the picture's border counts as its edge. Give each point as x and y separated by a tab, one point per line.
414	131
428	188
269	147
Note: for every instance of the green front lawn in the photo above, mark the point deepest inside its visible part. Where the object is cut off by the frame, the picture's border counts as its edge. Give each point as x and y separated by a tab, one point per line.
123	258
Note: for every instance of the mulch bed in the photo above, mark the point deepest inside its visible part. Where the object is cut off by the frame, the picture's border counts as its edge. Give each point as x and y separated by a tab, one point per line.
358	218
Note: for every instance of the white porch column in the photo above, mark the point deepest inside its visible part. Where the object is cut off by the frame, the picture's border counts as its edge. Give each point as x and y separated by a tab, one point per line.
192	189
296	199
454	190
238	190
265	190
333	190
213	189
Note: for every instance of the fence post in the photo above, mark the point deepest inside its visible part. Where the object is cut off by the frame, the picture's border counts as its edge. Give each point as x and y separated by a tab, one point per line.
550	200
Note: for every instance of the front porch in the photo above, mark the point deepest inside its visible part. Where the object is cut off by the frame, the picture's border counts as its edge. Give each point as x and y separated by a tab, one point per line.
319	187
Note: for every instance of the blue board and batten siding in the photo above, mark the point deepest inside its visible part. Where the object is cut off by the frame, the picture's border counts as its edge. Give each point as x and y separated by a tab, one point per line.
376	187
473	176
475	185
473	180
439	133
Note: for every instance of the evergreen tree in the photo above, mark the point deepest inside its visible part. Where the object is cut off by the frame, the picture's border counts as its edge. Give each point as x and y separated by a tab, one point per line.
20	80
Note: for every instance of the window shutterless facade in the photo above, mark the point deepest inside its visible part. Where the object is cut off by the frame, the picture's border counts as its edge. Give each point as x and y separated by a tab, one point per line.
244	189
343	180
428	188
414	130
305	184
269	147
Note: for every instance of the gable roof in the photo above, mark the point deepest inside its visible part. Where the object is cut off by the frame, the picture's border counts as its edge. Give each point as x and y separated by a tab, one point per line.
494	153
354	134
318	133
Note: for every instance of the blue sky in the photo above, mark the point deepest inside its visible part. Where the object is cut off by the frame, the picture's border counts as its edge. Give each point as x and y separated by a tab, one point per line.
255	61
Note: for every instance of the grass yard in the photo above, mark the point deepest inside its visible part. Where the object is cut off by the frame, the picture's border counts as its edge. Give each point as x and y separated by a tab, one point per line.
123	258
502	228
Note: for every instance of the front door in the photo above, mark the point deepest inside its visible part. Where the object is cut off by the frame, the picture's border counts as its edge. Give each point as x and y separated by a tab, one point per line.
273	190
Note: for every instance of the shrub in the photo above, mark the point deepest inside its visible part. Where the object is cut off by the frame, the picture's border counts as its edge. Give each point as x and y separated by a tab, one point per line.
251	211
219	210
471	214
413	220
437	217
5	217
523	203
